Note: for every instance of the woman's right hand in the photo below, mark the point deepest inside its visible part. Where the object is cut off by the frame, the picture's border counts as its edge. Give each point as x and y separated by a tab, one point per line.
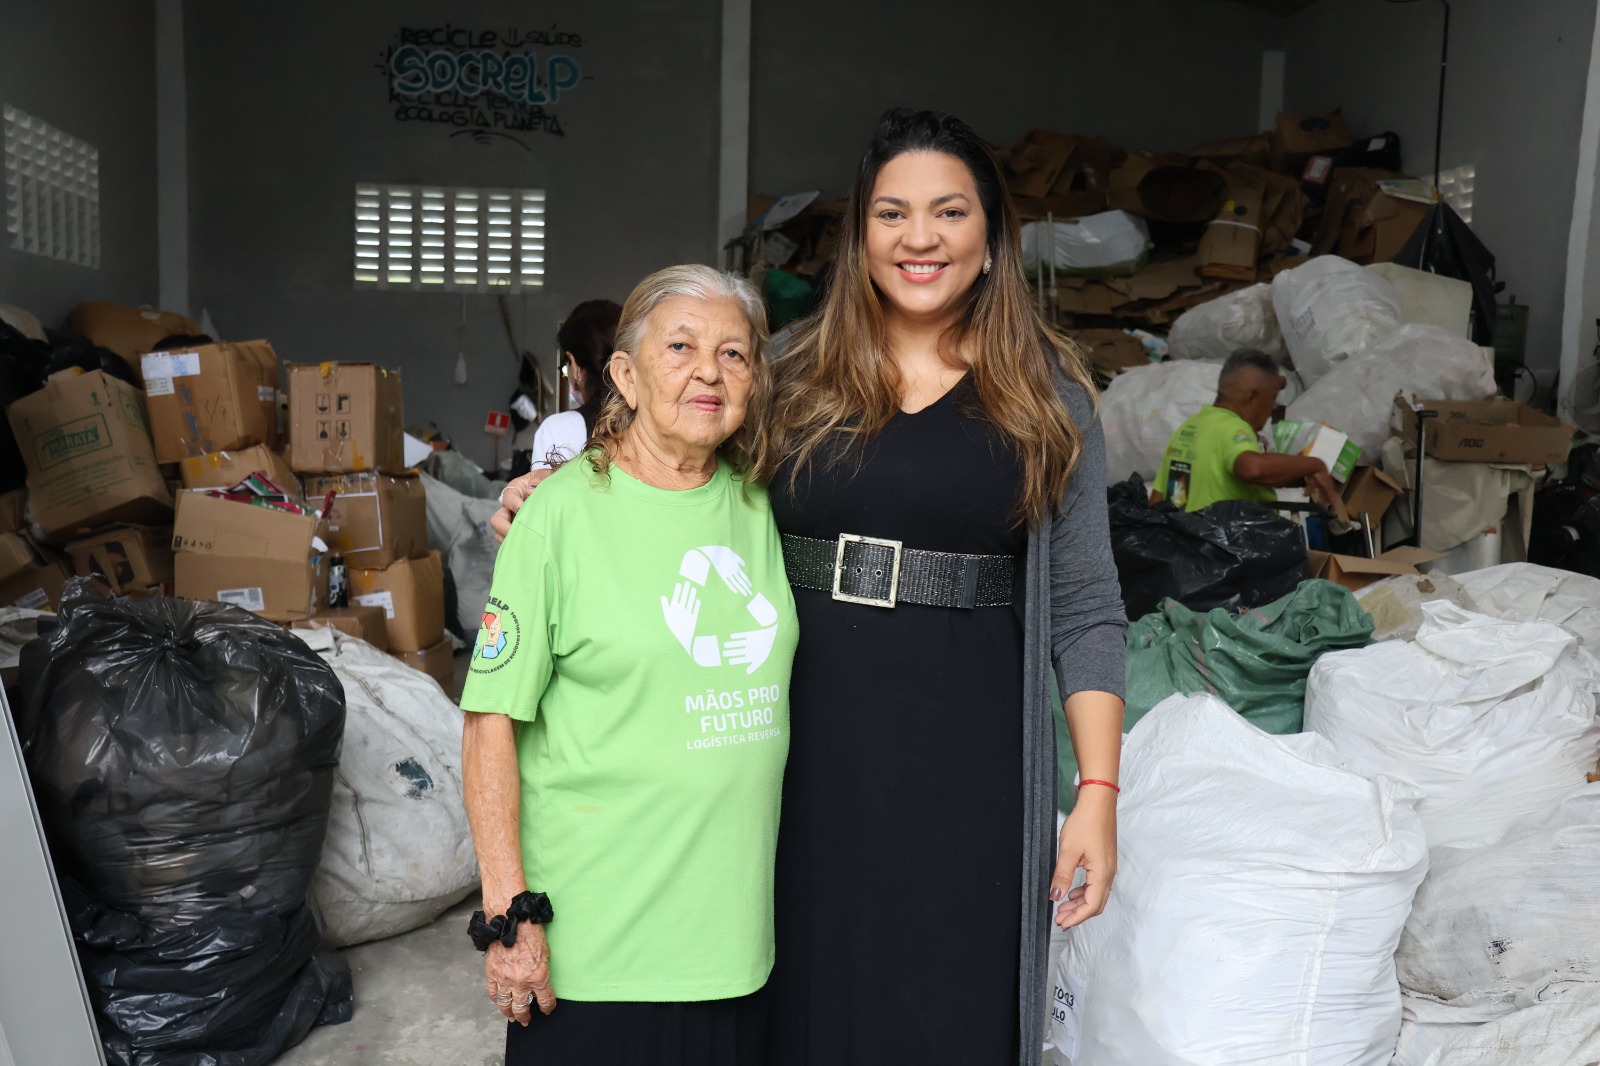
512	498
523	970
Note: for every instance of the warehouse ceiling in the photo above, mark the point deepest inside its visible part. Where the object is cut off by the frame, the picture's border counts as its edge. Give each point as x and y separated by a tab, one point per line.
1279	7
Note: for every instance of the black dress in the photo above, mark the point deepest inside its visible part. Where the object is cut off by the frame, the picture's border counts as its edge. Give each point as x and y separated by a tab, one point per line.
899	850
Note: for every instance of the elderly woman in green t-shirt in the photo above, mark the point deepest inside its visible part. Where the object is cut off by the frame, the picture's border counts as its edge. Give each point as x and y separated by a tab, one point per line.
628	709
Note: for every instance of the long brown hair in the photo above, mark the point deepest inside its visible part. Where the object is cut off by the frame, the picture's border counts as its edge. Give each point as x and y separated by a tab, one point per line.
837	379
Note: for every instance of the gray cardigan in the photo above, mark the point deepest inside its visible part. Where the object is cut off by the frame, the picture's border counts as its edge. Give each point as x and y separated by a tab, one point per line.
1074	624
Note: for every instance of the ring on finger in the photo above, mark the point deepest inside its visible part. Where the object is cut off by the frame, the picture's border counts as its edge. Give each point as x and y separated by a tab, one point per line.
525	1003
501	997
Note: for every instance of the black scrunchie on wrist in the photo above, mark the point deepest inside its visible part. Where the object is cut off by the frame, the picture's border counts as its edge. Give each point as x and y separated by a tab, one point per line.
525	907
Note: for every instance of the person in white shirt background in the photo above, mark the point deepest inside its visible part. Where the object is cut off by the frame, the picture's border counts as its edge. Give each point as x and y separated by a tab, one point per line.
587	338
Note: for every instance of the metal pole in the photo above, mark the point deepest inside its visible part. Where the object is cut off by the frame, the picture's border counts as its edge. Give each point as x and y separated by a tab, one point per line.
1416	488
1438	129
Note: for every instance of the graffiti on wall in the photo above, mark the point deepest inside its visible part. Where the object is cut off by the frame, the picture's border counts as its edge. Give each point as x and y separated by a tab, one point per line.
486	85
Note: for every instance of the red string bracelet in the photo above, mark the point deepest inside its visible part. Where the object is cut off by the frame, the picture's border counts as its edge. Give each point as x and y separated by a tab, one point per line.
1092	781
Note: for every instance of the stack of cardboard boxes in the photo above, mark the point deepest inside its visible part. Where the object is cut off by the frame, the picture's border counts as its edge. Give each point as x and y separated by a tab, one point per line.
347	438
183	489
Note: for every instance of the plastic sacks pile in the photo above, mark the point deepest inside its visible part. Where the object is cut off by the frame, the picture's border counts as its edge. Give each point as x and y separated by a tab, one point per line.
1346	338
182	756
1414	880
399	849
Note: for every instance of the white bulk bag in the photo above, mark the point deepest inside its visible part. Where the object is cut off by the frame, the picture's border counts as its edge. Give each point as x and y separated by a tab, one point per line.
1494	721
399	850
1216	329
1144	406
1561	1031
1504	926
1523	592
458	527
1357	394
1329	309
1259	896
1111	242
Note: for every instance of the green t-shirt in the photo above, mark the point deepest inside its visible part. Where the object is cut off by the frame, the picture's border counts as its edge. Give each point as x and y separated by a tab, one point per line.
1197	467
642	639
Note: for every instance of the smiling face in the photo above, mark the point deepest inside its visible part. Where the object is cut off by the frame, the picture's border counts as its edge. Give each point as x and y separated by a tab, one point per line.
926	236
691	379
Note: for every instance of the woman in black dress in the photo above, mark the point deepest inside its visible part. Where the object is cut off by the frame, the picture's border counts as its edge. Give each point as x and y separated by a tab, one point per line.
939	478
927	404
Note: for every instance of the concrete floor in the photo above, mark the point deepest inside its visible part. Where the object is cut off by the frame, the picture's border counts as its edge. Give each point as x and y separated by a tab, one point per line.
419	1002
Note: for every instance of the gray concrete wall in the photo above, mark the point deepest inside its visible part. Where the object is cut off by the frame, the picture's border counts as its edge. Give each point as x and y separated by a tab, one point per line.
289	108
1162	74
1513	108
87	67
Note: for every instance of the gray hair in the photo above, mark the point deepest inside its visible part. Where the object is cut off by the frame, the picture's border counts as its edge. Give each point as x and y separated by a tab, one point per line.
1245	359
695	281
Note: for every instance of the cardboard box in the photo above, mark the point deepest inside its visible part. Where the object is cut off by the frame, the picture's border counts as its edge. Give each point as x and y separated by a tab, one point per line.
345	418
224	470
1232	242
212	398
1362	221
1336	450
1370	492
1166	189
411	593
128	331
376	518
39	587
1356	573
14	511
17	555
1298	137
365	623
125	559
1283	206
1110	350
438	662
263	560
1489	431
87	447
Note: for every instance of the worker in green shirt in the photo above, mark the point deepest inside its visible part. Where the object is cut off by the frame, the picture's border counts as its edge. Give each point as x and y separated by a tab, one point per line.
1217	455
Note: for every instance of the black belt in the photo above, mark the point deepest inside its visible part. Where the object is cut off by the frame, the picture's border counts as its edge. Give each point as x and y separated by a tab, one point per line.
882	573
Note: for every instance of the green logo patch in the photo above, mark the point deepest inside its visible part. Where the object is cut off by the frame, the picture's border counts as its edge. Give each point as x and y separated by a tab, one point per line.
71	440
498	638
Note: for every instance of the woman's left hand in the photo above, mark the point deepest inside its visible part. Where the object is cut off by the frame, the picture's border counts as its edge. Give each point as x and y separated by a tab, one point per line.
1088	840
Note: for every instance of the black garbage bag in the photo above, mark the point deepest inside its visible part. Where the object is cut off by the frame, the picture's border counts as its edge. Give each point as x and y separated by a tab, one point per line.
182	755
1233	555
76	352
1444	244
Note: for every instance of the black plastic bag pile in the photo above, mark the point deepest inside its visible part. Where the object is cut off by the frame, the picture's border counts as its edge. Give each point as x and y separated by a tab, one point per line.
1234	555
183	755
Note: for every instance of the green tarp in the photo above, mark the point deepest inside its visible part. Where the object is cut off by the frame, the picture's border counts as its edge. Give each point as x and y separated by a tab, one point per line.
1256	662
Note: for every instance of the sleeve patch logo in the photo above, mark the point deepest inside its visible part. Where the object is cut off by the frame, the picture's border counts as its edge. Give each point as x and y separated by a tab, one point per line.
748	648
498	638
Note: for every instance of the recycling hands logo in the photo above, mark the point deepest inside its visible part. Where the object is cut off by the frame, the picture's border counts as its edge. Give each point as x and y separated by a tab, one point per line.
748	648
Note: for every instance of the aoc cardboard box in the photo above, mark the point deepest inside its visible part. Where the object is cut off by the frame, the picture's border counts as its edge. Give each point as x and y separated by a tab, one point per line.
266	561
411	593
224	470
87	446
438	662
1356	573
376	518
366	623
127	558
212	398
1489	431
345	418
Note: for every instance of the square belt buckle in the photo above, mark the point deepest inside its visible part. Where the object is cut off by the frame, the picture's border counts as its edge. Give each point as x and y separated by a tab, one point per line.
894	570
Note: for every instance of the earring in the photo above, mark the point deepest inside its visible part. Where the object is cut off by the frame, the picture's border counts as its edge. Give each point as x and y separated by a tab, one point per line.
988	264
